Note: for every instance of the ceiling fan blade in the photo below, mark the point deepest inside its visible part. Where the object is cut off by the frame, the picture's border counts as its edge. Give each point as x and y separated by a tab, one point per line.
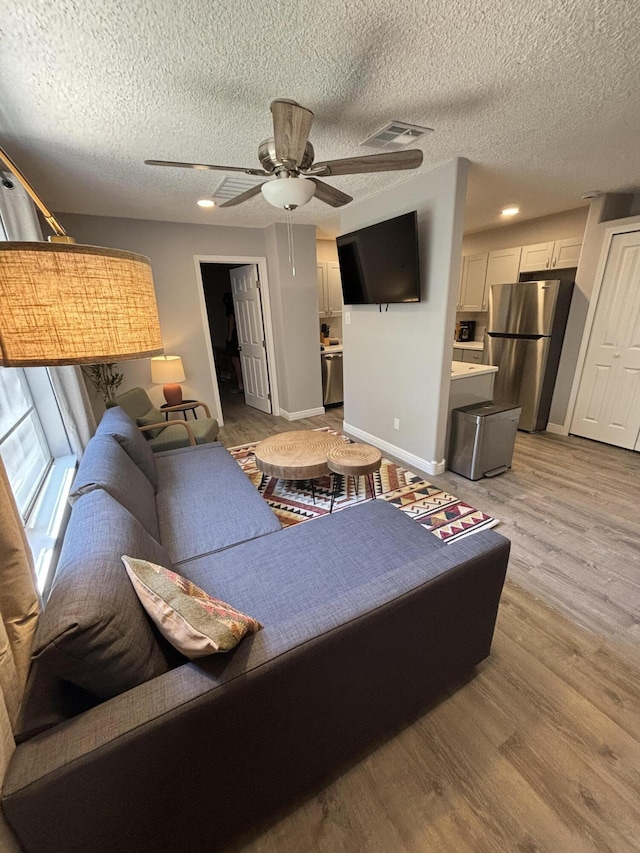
389	162
330	195
291	127
245	196
206	166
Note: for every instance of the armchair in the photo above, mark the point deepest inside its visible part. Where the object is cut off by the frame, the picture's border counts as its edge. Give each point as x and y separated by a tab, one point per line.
163	435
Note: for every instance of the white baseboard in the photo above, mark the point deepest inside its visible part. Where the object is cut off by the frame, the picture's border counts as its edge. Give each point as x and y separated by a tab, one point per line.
429	467
557	429
296	416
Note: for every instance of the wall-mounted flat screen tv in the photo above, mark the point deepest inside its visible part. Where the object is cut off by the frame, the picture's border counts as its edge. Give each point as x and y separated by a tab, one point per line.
380	264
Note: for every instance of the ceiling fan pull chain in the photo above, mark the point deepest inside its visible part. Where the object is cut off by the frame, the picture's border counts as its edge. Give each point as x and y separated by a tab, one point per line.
292	259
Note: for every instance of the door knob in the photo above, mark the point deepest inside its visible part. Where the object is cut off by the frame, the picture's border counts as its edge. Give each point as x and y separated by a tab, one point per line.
616	355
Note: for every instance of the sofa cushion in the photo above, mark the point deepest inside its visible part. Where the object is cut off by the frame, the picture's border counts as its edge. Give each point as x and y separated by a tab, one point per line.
206	503
105	465
346	564
153	416
116	422
94	632
193	622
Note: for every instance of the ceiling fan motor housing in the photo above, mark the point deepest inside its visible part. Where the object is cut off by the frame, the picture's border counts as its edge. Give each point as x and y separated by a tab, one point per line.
270	162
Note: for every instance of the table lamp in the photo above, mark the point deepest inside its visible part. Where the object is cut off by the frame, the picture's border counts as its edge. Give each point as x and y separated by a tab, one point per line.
167	370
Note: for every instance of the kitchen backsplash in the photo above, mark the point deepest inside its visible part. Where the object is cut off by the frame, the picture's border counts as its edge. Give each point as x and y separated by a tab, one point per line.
335	326
481	318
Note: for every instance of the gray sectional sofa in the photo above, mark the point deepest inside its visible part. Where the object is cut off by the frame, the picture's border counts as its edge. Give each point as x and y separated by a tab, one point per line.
125	745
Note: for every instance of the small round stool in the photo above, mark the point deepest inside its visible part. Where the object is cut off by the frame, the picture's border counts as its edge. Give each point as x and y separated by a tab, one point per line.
353	460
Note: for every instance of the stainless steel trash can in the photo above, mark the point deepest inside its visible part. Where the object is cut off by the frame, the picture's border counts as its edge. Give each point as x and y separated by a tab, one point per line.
482	439
332	393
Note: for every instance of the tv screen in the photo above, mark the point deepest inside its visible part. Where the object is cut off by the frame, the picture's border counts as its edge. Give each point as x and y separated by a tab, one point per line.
379	264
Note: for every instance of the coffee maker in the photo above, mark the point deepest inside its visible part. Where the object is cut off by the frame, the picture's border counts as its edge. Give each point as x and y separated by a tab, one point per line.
466	330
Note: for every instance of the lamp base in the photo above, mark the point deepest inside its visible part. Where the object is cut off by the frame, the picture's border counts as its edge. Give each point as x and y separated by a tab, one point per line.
173	394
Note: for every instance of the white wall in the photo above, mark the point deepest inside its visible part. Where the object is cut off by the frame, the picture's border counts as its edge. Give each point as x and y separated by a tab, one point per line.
397	363
294	309
172	247
558	226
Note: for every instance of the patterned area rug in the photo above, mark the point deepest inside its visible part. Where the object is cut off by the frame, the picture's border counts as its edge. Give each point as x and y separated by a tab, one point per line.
292	501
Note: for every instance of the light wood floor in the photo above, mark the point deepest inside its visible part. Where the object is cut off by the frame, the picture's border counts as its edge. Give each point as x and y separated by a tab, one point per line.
540	750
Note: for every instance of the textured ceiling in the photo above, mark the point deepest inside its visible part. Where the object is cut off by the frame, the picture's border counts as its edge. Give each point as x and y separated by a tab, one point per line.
541	96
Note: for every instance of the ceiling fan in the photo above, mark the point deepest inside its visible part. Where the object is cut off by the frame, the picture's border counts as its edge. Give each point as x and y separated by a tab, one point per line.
287	158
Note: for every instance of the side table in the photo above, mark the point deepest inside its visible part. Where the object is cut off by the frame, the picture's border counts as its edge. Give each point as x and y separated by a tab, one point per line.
297	455
353	460
185	406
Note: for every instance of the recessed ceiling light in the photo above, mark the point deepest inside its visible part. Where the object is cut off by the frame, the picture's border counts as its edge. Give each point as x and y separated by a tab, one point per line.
510	211
206	202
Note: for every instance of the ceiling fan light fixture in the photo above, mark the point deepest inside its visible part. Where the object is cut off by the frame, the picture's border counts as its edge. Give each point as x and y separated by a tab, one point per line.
288	192
206	202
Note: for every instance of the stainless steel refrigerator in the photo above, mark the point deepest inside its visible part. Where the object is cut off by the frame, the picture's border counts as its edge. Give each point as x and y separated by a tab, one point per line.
524	339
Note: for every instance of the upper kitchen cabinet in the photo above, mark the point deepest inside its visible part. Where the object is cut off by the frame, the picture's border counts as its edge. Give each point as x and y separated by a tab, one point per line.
557	255
480	271
503	267
329	289
474	273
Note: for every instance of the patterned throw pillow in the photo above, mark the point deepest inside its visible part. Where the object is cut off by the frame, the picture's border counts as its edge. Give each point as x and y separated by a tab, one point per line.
153	416
192	621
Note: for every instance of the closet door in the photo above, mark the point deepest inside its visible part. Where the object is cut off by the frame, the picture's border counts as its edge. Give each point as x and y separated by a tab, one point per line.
608	400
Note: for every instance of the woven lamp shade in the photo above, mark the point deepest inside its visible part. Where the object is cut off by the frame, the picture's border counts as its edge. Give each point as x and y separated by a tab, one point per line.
71	304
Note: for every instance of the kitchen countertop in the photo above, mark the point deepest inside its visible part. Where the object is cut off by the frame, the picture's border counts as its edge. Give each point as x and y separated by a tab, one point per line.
331	348
464	369
477	345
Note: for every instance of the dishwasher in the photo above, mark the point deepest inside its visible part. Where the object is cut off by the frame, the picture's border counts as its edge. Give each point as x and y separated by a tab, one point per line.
332	394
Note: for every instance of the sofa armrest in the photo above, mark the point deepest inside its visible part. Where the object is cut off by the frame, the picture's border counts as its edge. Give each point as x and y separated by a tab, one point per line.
163	424
225	742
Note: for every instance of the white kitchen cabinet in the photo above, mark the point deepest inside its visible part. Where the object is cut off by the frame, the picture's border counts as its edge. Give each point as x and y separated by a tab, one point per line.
473	356
474	273
321	279
334	289
329	289
480	271
502	268
559	254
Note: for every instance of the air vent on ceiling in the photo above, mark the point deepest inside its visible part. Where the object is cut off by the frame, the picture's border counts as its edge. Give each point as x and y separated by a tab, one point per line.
233	185
396	135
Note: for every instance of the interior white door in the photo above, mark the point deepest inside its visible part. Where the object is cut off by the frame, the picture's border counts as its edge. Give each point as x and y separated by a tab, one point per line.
608	400
245	288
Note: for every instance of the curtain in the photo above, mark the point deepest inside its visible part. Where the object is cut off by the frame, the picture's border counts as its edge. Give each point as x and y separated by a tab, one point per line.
18	212
21	222
19	610
75	407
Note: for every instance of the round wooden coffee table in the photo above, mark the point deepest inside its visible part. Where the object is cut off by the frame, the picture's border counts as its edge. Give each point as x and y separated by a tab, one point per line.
297	455
354	460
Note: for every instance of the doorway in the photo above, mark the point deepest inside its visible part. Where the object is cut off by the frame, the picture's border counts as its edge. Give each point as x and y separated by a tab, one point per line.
235	319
